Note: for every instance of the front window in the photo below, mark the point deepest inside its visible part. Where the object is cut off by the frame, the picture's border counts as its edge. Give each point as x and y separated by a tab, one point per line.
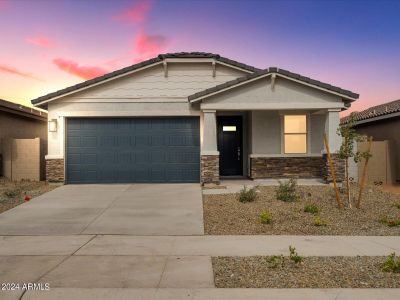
295	134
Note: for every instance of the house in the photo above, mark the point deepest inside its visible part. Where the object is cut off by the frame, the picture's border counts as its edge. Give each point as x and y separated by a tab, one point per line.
192	117
382	123
21	122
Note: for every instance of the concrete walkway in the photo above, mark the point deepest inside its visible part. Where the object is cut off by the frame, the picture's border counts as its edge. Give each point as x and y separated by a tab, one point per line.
235	185
135	209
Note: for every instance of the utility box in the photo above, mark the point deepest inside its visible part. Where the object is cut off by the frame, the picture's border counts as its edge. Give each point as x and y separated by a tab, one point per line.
21	159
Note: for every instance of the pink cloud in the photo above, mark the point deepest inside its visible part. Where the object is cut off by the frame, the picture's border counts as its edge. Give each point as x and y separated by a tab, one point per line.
135	14
74	68
147	46
11	70
3	3
41	41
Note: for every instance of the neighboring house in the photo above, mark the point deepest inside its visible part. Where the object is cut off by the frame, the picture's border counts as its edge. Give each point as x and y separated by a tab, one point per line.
21	122
192	117
382	122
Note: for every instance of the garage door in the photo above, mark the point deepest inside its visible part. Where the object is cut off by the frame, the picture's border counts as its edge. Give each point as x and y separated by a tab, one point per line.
123	150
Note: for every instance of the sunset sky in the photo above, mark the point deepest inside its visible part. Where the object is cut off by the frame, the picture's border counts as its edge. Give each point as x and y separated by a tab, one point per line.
46	45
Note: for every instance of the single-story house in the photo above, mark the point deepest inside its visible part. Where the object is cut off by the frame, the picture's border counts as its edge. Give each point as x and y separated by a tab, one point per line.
22	122
192	117
382	122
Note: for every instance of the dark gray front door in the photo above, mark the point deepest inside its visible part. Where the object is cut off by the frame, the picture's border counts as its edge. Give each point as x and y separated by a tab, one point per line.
123	150
230	145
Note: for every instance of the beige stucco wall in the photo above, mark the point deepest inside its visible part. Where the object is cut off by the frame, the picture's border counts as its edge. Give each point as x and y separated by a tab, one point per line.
20	127
21	158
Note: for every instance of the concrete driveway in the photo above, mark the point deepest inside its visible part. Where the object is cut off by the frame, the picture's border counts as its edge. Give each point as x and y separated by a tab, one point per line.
134	209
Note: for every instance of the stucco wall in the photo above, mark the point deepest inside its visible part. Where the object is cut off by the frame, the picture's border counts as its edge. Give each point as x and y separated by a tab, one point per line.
145	93
266	132
286	95
388	129
20	127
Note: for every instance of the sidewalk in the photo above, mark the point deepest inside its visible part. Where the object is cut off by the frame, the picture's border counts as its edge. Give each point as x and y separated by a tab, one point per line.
228	245
216	294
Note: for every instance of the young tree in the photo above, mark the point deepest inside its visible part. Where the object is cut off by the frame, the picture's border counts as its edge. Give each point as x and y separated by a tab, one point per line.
349	138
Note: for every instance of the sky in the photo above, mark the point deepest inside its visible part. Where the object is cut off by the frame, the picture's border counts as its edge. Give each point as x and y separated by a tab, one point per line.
47	45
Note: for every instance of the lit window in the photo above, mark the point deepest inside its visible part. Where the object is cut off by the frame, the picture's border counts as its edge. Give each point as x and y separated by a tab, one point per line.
295	134
228	128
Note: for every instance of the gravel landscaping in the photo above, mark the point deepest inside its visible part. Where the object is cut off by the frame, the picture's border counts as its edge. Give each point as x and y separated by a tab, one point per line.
13	193
225	215
313	272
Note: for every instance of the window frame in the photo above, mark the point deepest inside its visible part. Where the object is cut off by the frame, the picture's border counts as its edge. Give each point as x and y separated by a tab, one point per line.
306	133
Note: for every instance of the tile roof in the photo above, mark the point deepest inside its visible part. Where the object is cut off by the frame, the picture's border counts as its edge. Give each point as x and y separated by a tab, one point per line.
21	109
375	111
270	71
142	64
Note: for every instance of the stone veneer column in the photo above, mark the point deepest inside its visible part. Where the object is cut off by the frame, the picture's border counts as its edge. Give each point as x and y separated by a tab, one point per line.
55	170
209	153
338	166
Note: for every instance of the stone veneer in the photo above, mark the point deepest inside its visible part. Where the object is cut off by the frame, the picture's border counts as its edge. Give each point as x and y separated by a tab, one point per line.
55	170
338	165
284	167
210	169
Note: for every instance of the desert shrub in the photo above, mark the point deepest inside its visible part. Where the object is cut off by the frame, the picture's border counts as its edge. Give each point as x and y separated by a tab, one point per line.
247	194
397	204
294	256
12	193
311	208
318	221
266	217
391	264
287	191
275	261
390	222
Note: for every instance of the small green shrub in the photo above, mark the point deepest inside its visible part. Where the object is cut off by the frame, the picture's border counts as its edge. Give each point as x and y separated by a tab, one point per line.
390	222
293	255
391	264
318	221
12	193
287	191
275	261
248	195
397	204
266	217
311	208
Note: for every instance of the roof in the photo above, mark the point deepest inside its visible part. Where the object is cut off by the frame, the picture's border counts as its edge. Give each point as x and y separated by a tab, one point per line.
142	64
19	109
386	110
273	70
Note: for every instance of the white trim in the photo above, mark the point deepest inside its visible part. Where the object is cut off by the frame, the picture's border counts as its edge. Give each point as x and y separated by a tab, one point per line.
307	133
147	113
189	60
269	106
128	100
97	83
234	67
209	153
277	74
286	155
54	156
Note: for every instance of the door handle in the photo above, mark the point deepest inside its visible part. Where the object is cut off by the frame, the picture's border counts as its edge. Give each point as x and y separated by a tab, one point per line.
238	153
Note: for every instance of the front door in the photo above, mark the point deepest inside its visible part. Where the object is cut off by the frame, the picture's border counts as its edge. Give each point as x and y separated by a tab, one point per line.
230	145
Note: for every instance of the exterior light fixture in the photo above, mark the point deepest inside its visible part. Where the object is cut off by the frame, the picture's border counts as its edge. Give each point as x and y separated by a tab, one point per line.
53	125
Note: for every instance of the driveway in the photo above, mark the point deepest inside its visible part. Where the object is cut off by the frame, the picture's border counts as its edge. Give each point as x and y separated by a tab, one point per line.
134	209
